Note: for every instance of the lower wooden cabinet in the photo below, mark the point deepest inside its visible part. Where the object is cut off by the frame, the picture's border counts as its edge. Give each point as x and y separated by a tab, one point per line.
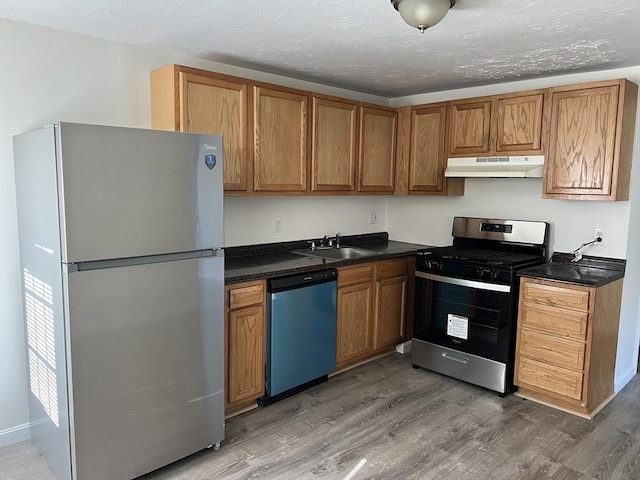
372	300
244	345
355	302
566	344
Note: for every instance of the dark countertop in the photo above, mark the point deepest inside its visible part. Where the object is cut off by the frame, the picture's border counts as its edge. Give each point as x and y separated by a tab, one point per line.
271	260
590	271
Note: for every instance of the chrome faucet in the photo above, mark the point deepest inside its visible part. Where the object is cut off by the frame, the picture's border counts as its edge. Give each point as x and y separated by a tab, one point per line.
337	244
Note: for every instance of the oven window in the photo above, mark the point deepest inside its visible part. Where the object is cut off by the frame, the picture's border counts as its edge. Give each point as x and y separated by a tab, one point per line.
468	319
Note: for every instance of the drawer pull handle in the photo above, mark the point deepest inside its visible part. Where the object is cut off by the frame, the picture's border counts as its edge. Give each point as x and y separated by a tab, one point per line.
455	358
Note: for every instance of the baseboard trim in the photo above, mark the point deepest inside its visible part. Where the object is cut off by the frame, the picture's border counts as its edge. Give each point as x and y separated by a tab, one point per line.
15	434
620	382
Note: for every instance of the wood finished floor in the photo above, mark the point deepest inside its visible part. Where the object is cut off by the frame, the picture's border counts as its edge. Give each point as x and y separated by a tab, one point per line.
407	424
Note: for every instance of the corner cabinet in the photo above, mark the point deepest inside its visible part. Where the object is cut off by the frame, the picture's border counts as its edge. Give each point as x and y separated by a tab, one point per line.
195	101
280	140
590	141
501	125
377	152
334	141
422	152
566	344
372	300
244	345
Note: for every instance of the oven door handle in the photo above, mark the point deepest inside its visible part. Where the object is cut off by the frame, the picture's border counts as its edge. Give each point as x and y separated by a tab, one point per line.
495	287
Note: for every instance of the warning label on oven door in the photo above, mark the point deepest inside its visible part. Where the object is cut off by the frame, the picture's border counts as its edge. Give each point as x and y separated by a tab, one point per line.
457	326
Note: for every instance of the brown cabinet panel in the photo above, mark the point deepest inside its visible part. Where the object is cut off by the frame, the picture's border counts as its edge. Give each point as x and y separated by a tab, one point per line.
556	296
519	123
334	142
353	275
218	107
196	101
554	379
245	296
470	127
551	349
427	161
565	356
391	268
280	140
582	141
391	294
559	321
589	141
377	149
354	323
246	353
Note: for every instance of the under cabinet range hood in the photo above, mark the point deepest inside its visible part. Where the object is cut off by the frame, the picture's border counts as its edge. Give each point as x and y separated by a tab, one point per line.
497	167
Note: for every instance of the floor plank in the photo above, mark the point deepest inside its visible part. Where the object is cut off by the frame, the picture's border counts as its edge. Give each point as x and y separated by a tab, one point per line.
404	423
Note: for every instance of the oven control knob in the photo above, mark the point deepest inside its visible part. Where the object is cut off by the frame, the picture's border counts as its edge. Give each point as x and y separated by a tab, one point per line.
493	275
480	272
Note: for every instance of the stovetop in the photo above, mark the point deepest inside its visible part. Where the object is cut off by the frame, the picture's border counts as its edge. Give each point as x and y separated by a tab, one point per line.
494	258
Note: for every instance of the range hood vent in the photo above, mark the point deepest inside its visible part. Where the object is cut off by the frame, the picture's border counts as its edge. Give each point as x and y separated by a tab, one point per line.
497	167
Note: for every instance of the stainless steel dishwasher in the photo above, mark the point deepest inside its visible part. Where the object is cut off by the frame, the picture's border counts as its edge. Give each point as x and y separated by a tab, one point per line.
301	333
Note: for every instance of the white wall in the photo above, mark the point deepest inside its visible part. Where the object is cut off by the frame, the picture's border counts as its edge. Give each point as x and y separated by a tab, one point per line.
428	220
48	76
250	221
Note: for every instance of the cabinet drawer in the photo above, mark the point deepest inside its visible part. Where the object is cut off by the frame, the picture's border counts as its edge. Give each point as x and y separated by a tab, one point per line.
354	275
246	295
391	268
556	296
554	379
550	349
558	321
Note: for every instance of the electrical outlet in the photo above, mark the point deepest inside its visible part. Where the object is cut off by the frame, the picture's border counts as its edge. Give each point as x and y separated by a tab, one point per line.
599	233
373	217
277	225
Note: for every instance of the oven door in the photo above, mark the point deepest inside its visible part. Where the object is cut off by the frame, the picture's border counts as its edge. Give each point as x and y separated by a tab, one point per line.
465	315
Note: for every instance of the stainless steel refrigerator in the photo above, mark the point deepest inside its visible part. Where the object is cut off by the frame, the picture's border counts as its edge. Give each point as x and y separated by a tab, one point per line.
121	250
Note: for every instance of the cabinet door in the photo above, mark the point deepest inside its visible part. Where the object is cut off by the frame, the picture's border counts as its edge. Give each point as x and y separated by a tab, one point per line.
470	128
333	153
218	107
280	140
427	161
246	353
582	136
377	149
391	294
354	323
519	123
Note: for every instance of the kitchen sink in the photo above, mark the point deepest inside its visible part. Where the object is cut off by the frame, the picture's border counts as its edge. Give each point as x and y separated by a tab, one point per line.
342	253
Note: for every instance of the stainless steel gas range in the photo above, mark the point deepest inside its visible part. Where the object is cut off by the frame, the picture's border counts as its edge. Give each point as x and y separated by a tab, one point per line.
466	299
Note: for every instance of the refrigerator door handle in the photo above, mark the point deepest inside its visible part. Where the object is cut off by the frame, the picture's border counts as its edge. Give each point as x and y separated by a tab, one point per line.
127	262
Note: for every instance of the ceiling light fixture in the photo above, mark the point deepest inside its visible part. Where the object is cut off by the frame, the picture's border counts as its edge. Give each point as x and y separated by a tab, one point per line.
422	14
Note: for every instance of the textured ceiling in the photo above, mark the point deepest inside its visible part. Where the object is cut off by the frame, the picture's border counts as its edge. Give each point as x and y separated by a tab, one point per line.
364	45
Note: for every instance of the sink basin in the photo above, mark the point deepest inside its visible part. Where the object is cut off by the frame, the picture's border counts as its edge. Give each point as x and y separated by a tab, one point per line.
342	253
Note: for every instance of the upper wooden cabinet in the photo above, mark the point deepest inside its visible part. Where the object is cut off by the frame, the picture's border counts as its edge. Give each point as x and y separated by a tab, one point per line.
280	140
334	137
590	141
470	127
189	100
376	165
422	152
500	125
